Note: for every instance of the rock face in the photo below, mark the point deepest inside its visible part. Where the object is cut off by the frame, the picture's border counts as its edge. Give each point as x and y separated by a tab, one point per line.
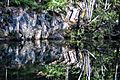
28	24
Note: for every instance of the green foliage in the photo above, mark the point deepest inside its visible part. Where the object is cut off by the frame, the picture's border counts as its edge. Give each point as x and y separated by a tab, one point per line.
52	4
26	3
55	71
46	4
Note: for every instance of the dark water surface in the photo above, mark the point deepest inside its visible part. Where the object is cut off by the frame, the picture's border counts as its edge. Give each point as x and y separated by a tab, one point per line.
60	60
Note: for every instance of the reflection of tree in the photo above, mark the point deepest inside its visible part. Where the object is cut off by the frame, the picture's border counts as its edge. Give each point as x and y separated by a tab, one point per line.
103	66
98	60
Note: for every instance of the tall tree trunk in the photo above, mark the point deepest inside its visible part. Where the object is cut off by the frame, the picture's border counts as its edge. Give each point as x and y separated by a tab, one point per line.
116	61
89	4
78	22
106	2
119	19
7	2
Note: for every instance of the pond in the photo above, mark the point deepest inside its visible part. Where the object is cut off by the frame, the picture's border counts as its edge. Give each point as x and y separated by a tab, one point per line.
60	60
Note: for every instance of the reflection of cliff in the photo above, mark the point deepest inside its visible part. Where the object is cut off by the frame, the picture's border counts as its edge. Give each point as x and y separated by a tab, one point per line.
83	64
39	52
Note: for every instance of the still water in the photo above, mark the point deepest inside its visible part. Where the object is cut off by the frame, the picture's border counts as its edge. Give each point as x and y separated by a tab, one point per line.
60	60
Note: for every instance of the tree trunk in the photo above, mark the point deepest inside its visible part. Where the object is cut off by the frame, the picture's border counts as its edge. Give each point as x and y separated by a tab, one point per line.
78	22
89	4
119	19
7	2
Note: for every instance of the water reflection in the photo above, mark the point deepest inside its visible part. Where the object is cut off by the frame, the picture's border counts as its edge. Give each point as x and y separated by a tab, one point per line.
77	60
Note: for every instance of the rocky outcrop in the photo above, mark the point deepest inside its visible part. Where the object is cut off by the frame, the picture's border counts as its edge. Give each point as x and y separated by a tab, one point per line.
28	24
23	24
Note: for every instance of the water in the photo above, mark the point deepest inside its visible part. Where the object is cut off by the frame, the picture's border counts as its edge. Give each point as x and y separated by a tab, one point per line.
60	60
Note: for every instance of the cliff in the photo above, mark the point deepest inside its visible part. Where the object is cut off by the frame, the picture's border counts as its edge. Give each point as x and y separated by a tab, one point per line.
19	23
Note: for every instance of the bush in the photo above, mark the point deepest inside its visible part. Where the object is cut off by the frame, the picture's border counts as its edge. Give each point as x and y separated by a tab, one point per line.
25	3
